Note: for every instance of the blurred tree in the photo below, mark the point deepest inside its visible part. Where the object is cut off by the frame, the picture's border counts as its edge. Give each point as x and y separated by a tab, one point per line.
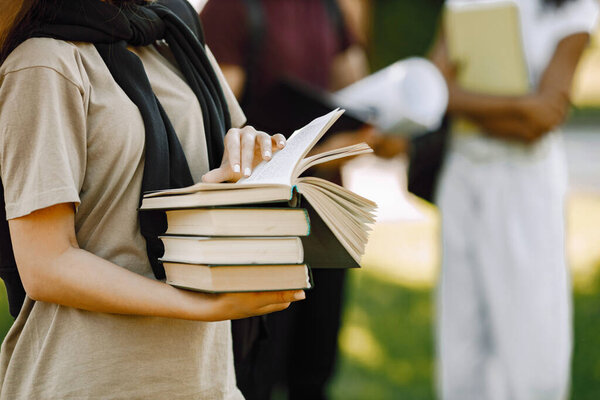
402	28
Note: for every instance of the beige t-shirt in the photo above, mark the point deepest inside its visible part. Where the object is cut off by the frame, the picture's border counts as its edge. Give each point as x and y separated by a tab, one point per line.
68	133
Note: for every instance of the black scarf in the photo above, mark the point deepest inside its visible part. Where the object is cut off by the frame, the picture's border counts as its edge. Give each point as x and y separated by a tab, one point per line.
111	29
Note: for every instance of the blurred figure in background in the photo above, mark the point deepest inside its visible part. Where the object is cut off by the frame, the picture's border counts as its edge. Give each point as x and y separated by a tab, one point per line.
256	44
504	314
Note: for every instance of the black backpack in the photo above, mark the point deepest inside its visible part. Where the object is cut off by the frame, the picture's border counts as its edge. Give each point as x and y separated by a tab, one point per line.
8	266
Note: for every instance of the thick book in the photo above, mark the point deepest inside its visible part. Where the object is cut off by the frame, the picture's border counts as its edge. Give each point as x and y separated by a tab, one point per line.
345	215
232	250
240	221
238	278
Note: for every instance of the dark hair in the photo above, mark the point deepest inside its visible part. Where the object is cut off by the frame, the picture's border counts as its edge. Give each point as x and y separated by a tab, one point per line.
21	21
555	3
17	21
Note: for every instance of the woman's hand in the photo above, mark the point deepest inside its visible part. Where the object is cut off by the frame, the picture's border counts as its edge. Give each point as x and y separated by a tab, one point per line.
245	148
543	112
533	117
228	306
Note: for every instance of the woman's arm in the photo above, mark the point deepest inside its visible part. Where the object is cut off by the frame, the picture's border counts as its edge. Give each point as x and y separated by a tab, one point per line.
54	269
525	117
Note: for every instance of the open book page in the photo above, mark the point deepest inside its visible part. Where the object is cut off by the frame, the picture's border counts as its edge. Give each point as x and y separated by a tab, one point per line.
352	236
347	214
343	152
341	191
362	209
281	168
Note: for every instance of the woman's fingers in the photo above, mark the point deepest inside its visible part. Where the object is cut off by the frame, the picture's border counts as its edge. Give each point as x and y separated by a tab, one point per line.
266	147
271	308
266	299
241	305
218	175
279	141
244	148
232	147
248	143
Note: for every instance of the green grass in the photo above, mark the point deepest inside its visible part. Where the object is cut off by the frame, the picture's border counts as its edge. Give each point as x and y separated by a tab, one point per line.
586	356
386	342
387	350
5	318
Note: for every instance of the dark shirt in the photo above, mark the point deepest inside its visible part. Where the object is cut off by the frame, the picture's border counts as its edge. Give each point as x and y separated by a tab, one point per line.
300	40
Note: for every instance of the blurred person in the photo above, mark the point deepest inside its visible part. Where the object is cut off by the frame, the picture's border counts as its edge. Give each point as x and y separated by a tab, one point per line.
308	40
90	117
504	303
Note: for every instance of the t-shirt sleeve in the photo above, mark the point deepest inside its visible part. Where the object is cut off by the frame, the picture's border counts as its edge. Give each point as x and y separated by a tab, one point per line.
577	16
225	25
42	139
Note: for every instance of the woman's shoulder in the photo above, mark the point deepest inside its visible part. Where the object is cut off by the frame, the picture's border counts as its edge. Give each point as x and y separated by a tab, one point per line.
64	58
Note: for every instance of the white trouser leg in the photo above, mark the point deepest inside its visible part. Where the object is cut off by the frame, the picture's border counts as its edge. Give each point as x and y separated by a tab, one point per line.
503	239
462	334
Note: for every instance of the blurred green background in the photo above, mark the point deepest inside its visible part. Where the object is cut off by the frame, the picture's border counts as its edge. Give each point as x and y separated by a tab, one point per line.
386	343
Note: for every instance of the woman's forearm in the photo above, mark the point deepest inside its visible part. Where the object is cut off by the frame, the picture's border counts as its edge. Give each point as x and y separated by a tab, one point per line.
478	106
82	280
54	269
79	279
509	128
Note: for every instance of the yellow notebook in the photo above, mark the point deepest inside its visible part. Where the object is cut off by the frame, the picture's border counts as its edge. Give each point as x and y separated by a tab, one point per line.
484	41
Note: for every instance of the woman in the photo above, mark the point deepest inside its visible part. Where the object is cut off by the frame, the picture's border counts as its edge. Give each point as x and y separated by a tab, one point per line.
84	133
504	298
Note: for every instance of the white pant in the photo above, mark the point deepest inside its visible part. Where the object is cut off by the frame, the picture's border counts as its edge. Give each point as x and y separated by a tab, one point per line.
504	308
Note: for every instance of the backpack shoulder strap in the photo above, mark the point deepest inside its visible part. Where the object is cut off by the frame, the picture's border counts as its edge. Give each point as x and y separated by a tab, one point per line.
8	266
336	16
256	36
184	10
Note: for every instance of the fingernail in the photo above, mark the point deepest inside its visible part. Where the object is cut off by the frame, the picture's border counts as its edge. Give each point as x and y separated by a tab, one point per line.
236	168
247	172
299	295
267	154
281	143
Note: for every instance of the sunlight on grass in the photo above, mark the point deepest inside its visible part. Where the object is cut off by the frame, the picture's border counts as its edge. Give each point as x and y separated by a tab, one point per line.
586	84
406	253
359	345
583	239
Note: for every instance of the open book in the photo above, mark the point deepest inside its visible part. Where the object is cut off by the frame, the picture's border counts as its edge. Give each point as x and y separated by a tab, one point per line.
408	97
484	40
347	215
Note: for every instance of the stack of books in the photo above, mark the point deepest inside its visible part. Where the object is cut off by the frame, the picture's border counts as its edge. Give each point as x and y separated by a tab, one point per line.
263	232
222	249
